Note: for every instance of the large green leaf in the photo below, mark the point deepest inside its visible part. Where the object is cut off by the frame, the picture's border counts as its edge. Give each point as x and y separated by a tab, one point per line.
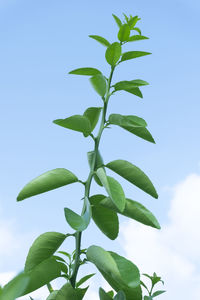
15	288
85	71
106	220
42	274
134	175
93	113
137	37
68	292
131	126
119	272
113	53
103	295
117	20
133	54
43	247
99	84
100	39
77	122
46	182
113	189
124	33
133	210
77	222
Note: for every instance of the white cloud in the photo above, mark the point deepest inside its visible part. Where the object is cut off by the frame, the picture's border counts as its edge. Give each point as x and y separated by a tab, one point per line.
173	252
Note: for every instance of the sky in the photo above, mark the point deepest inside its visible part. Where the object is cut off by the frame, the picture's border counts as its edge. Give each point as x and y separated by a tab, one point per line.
41	41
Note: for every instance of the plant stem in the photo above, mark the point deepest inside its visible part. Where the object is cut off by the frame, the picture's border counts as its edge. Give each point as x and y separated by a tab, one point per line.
78	234
50	288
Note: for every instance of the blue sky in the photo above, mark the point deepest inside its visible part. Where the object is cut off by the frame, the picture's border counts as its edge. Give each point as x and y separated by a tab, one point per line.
40	42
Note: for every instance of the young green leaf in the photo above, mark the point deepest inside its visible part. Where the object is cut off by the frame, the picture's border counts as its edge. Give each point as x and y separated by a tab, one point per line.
138	30
77	222
133	210
113	189
124	33
76	122
134	38
93	113
85	71
117	20
43	247
15	288
134	175
126	123
133	54
113	53
132	22
42	274
103	295
99	84
100	39
157	293
46	182
127	88
119	272
120	296
84	279
106	220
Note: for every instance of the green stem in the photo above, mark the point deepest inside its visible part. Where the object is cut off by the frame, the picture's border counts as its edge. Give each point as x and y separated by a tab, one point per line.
50	288
78	234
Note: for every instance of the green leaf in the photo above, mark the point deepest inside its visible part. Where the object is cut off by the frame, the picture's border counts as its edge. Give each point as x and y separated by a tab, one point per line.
133	90
76	122
133	210
134	175
15	288
126	123
99	84
124	33
93	113
157	293
133	54
58	258
117	20
67	292
77	222
138	30
121	85
85	71
148	298
120	296
111	293
63	267
43	247
119	272
113	189
42	274
132	22
106	220
46	182
100	39
103	295
134	38
113	53
99	163
129	120
84	279
96	199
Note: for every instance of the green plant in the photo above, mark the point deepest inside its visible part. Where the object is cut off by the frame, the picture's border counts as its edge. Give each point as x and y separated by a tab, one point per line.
43	264
154	280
